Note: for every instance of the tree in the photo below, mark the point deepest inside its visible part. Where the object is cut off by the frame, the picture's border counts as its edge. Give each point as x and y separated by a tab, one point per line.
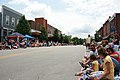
66	39
44	34
23	26
56	35
61	38
76	40
81	41
97	37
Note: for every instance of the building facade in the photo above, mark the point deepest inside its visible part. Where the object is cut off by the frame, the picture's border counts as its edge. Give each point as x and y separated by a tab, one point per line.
9	18
100	31
35	28
41	22
111	27
51	30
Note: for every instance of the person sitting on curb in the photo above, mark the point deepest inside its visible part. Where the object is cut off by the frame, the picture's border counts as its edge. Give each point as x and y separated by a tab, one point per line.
108	67
87	61
94	67
113	54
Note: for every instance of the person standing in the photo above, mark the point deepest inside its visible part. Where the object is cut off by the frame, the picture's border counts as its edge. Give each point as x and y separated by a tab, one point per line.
88	42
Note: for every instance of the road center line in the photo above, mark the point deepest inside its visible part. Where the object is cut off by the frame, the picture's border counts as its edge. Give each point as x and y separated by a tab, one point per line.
11	55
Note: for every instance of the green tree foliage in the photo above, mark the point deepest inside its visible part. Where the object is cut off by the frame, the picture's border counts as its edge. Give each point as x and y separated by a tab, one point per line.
81	41
75	40
23	26
56	36
97	37
44	34
66	39
61	38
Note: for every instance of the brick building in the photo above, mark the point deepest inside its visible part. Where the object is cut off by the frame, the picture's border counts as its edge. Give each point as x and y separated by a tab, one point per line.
100	31
41	22
35	28
110	27
51	30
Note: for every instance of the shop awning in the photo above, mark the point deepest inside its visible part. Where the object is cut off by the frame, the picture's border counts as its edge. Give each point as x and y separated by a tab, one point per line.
35	32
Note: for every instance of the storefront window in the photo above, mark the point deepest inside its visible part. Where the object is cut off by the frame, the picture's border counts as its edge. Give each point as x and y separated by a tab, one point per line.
0	36
17	21
7	20
13	22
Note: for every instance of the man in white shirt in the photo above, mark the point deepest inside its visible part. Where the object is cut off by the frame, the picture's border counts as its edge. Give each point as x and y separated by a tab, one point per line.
88	42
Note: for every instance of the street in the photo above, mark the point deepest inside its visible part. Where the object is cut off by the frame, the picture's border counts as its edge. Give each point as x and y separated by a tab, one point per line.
41	63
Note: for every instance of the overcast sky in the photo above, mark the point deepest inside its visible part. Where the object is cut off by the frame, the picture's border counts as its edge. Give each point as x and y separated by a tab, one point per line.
73	17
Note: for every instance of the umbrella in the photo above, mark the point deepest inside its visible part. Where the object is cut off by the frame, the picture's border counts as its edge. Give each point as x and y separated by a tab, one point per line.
27	36
15	35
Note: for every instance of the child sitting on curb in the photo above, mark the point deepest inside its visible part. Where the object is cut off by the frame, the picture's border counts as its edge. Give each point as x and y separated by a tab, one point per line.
94	67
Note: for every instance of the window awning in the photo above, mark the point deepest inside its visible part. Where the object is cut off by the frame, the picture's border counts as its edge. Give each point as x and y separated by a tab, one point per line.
50	35
33	30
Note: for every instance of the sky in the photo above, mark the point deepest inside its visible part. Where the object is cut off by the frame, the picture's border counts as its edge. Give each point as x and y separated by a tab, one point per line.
78	18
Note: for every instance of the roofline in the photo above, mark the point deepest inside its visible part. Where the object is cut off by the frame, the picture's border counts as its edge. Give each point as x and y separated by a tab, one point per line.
3	6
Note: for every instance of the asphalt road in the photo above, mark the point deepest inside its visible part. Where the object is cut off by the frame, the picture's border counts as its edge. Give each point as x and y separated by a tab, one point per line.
43	63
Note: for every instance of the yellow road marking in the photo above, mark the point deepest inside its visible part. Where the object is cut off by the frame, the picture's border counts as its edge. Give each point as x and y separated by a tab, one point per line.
11	55
16	54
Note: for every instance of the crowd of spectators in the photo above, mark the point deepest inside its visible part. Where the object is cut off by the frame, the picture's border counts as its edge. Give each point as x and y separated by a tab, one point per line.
107	55
24	43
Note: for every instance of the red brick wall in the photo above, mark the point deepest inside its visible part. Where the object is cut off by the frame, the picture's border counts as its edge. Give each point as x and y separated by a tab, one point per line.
103	30
118	23
32	24
46	25
108	27
113	21
51	30
42	22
